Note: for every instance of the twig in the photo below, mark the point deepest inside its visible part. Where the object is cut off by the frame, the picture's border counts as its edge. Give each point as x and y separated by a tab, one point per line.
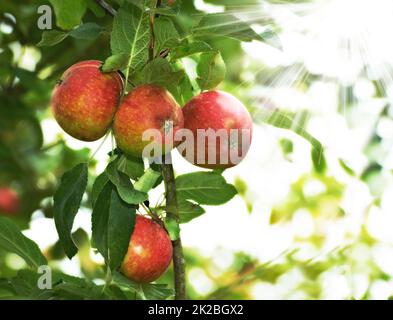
171	198
106	7
52	145
152	33
172	211
169	181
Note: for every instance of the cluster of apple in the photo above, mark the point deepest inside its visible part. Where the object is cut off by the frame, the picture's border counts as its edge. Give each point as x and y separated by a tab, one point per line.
87	103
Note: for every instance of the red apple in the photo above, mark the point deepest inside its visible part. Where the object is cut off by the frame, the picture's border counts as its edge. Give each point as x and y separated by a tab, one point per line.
9	201
85	100
147	107
149	253
217	114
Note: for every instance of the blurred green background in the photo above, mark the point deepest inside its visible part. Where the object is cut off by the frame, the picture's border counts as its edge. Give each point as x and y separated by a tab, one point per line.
304	226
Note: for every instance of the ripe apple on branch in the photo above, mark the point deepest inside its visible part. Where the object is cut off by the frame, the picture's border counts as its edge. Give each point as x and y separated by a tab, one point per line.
134	92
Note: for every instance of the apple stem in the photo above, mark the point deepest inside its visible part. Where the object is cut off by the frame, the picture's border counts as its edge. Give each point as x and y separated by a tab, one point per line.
99	147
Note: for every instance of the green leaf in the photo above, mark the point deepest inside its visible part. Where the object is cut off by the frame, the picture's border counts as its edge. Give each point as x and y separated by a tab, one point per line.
282	120
116	62
159	72
185	90
24	286
166	34
95	8
70	288
148	181
69	13
124	282
319	161
99	219
373	170
113	222
188	210
98	186
242	189
204	188
51	38
67	200
132	167
124	186
189	49
286	146
157	291
347	168
64	287
87	31
121	224
115	293
271	38
225	25
12	240
211	70
166	10
5	285
86	291
144	291
131	36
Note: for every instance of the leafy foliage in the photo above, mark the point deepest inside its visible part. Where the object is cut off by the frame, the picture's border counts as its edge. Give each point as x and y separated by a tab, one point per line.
132	167
116	62
189	211
192	48
123	185
66	204
113	221
69	12
190	54
159	72
148	180
225	25
204	188
131	36
144	291
65	287
211	70
86	31
12	240
166	34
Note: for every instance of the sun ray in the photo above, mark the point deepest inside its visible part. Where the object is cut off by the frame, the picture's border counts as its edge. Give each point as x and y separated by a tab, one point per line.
339	41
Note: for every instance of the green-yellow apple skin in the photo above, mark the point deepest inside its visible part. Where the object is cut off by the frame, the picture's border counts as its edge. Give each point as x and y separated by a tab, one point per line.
85	100
9	201
217	110
149	252
144	108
